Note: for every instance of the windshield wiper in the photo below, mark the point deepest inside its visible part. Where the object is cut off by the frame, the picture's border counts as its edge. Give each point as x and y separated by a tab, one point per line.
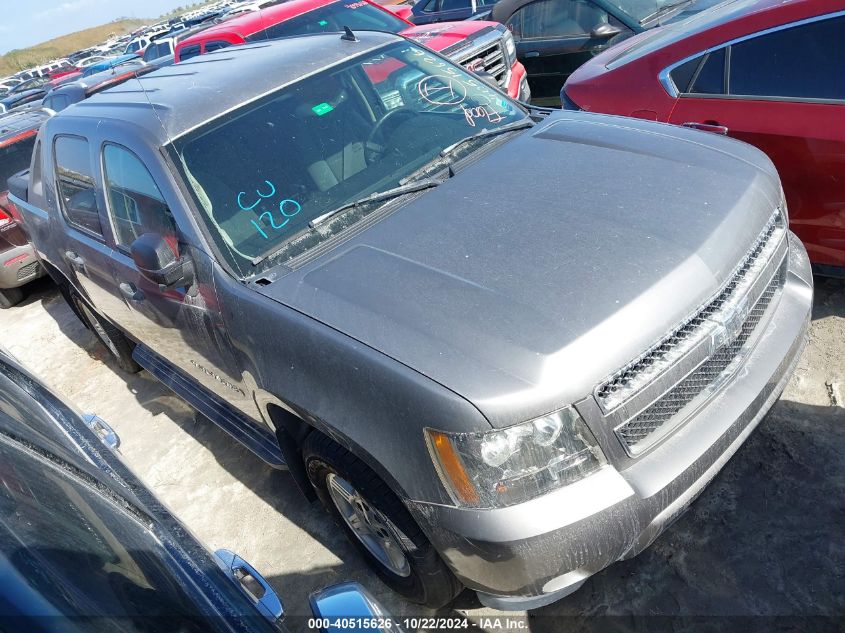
378	196
664	10
496	131
444	158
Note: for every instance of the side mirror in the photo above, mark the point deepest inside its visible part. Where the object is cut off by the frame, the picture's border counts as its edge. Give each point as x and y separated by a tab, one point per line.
605	31
349	600
156	261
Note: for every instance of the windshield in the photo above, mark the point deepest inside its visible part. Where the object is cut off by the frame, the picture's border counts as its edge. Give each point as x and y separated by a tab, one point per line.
347	132
333	17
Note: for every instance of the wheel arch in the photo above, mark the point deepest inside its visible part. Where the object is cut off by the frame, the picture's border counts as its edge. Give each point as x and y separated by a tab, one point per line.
292	428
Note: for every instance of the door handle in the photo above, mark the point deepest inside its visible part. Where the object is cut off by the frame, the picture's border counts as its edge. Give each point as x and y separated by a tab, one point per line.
713	127
238	570
532	54
131	292
75	260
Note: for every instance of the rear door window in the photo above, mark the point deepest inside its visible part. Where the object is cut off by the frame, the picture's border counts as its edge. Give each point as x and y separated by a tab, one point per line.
802	62
215	46
710	77
75	184
189	51
682	75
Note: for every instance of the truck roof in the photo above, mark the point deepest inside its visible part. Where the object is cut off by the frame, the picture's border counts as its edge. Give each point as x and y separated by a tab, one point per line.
174	100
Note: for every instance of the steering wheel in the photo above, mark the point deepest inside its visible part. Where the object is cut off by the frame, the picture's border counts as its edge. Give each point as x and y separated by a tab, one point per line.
374	151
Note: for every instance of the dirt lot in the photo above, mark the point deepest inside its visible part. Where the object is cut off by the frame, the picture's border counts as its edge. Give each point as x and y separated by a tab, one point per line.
765	539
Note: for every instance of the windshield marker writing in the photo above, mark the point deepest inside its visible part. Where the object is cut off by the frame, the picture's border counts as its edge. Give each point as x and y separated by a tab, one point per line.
260	195
259	229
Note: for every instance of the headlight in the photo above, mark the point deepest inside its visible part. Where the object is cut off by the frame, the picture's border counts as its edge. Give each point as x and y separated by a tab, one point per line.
508	466
510	48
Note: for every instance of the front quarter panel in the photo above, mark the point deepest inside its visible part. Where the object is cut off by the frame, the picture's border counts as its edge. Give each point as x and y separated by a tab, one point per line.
369	403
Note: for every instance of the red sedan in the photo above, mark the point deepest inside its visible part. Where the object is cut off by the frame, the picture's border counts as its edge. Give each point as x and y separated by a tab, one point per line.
768	72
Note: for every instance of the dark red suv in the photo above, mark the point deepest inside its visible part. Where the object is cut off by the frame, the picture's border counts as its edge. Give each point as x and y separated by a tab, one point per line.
767	72
18	264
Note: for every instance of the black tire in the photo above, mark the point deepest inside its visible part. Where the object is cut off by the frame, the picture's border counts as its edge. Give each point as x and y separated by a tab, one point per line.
113	339
429	582
10	297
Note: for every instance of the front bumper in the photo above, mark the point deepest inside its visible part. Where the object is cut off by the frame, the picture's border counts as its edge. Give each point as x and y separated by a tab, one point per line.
529	555
18	266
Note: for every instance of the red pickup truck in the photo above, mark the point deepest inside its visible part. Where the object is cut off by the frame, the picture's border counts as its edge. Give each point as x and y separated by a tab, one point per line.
477	45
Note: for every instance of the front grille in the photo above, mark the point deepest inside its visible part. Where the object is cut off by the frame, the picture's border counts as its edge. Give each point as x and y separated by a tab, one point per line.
27	271
628	381
706	378
490	59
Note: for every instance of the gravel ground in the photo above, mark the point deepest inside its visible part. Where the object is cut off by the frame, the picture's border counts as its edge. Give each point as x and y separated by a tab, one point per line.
762	548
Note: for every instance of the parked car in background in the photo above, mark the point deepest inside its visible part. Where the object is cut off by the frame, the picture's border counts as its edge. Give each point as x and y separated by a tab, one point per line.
137	46
84	544
428	11
352	262
25	93
763	71
72	92
88	61
18	263
112	62
163	46
63	71
554	37
249	7
480	46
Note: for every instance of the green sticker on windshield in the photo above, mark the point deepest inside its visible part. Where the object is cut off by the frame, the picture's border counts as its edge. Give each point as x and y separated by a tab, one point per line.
322	108
322	23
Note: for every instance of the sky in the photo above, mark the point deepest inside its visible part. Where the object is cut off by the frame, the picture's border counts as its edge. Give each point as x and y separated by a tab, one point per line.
26	23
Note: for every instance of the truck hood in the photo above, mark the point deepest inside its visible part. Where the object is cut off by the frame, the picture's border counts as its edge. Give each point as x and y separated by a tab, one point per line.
444	35
547	263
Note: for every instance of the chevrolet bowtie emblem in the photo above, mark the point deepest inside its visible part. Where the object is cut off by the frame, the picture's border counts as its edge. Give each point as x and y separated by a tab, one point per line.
730	323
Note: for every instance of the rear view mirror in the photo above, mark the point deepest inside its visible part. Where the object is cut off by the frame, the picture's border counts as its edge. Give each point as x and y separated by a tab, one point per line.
157	261
605	31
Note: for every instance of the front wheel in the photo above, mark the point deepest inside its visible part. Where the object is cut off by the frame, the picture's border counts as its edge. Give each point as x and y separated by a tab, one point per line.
378	524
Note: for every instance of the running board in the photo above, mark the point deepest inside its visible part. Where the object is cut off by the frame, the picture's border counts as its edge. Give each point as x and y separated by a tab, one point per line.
241	427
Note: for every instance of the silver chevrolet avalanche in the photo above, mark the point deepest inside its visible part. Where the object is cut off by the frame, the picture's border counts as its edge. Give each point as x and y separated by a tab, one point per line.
505	347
